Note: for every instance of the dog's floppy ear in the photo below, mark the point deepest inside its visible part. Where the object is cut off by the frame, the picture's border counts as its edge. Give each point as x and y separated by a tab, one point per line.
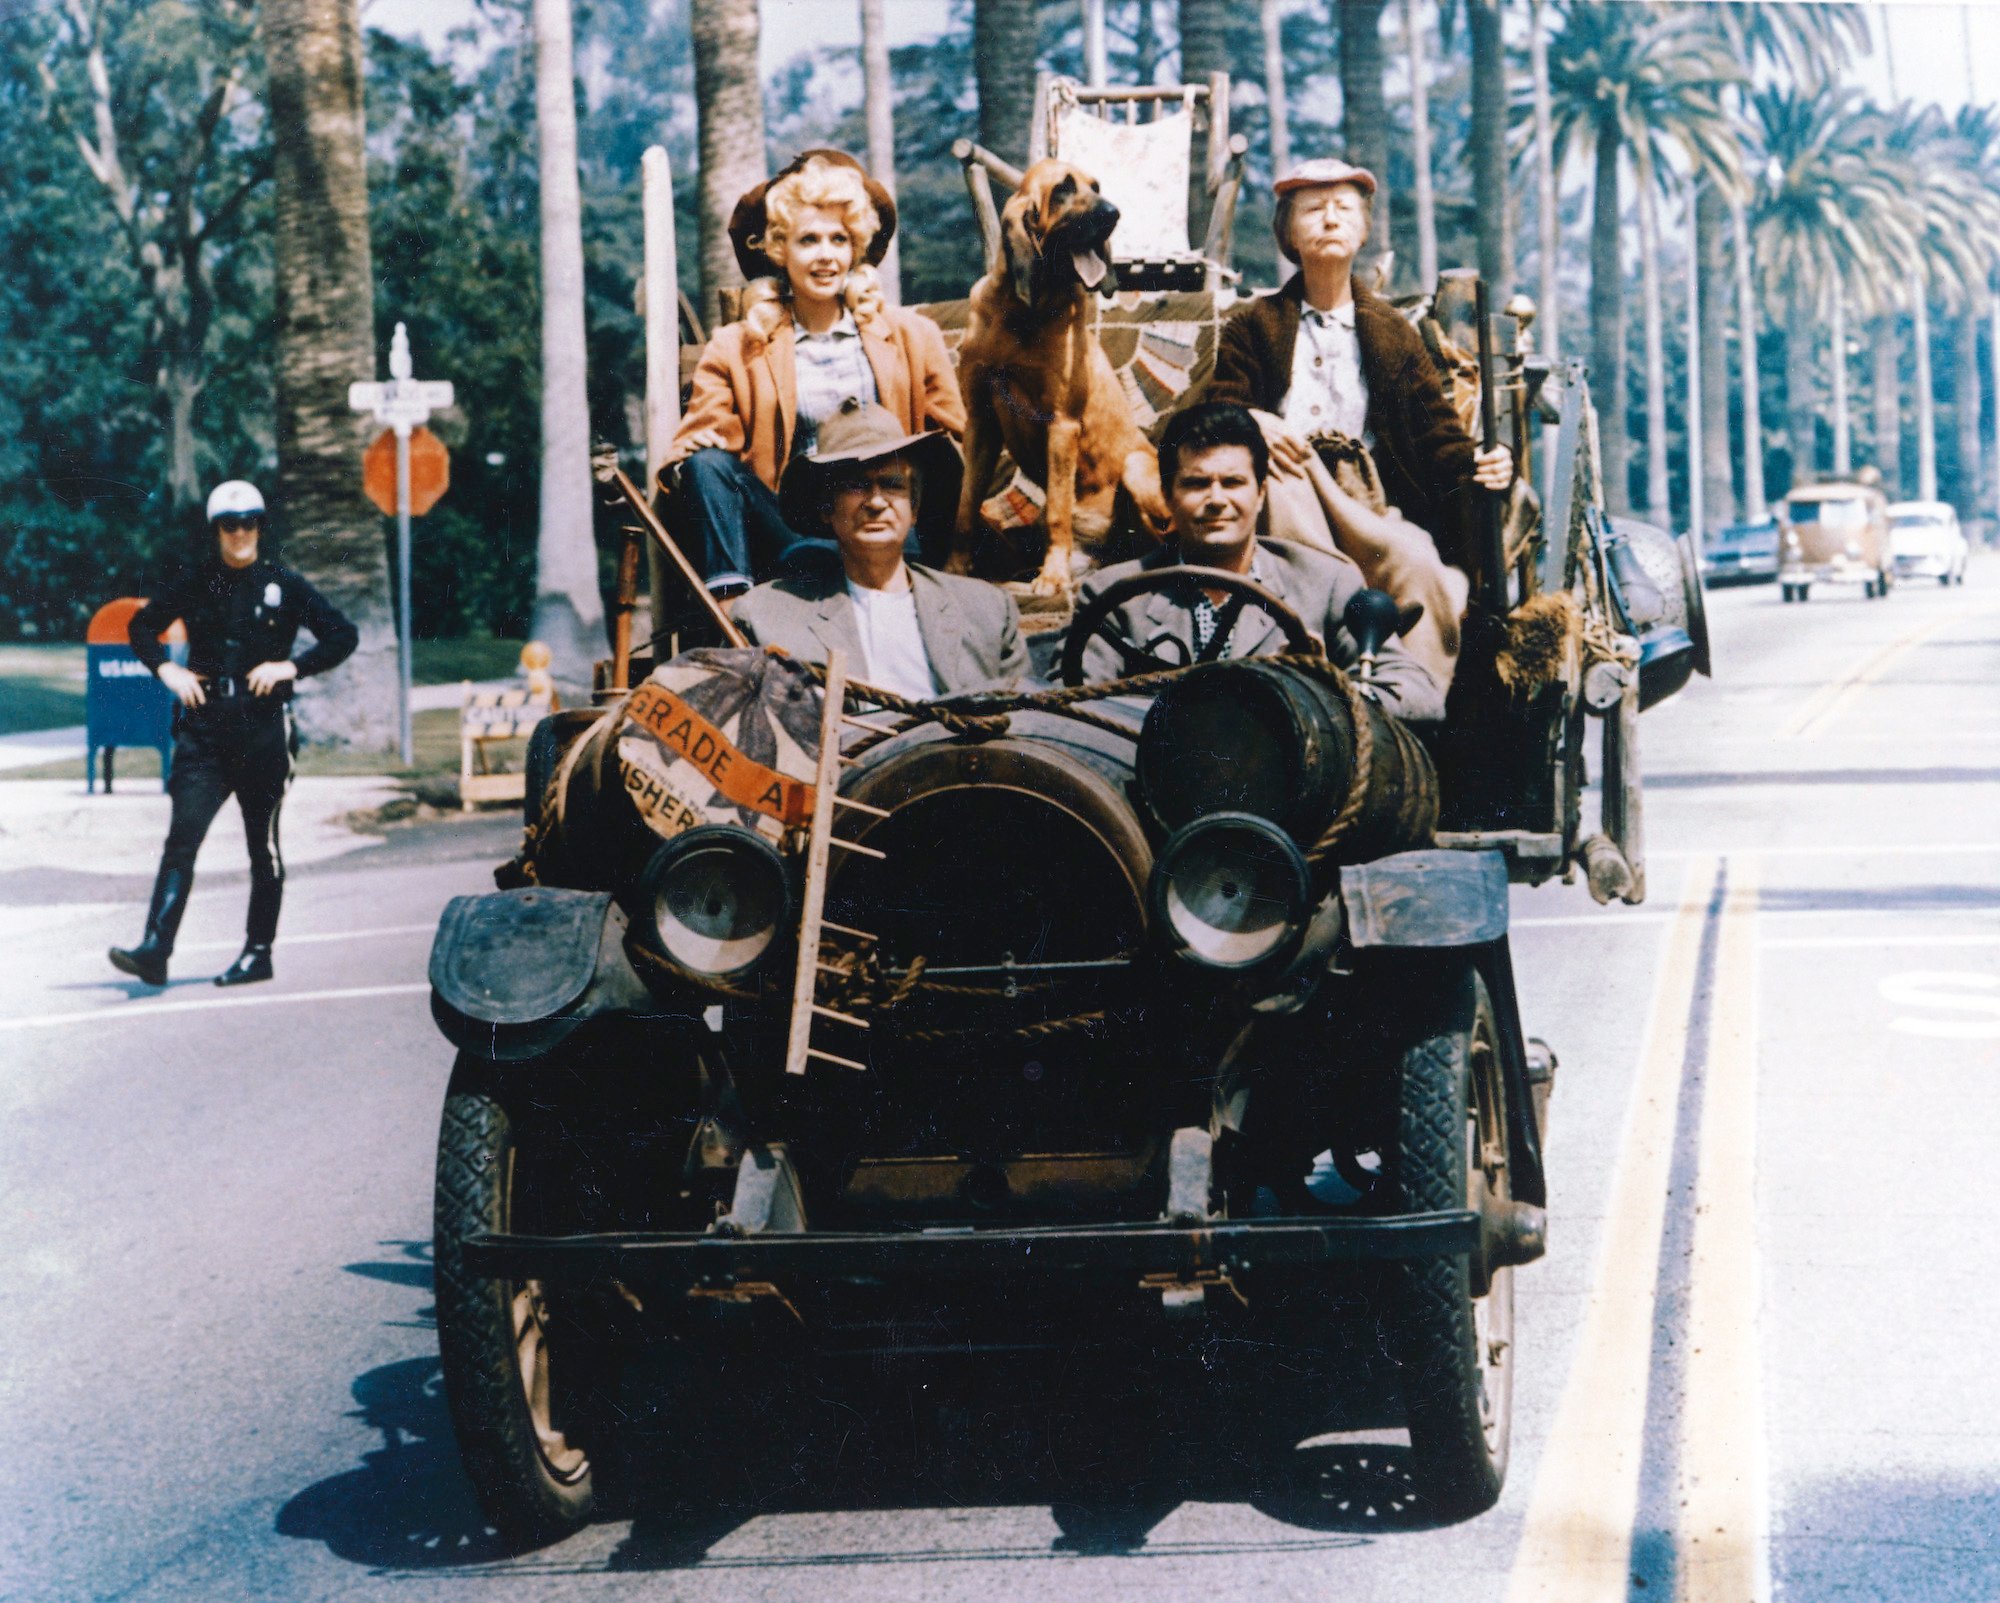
1019	250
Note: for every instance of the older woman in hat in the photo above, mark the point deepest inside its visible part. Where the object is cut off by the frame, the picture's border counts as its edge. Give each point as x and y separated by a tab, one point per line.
1324	361
815	333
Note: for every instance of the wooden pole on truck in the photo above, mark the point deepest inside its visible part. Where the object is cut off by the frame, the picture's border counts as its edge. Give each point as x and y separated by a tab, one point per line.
660	308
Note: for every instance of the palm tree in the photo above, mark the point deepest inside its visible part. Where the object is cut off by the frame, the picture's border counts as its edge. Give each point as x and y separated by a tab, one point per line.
1364	113
878	94
1547	221
1625	80
1277	107
325	328
1978	131
1830	230
729	101
1420	145
1003	49
569	610
1954	220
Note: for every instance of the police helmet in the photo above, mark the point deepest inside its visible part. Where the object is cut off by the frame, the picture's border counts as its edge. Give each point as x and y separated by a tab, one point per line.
235	498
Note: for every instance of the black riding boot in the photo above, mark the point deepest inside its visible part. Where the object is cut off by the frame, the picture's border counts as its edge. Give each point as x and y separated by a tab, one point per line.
260	930
148	960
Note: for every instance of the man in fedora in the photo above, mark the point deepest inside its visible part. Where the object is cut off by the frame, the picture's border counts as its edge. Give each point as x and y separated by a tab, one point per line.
904	627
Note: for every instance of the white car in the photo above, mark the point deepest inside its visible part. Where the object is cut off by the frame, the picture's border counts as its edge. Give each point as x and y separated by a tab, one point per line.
1926	541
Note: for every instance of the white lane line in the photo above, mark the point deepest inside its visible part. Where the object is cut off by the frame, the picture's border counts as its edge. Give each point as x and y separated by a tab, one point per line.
1860	851
1724	1554
138	1012
310	940
1802	943
1576	1546
1833	699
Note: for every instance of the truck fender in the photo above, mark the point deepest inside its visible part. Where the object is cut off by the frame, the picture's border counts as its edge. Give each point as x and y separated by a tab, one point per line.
1426	898
514	972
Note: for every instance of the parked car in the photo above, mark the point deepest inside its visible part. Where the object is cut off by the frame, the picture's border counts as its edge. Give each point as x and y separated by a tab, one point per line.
1835	533
1926	541
1742	553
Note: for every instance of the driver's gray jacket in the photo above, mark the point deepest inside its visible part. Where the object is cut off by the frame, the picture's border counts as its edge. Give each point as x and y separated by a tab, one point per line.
1313	584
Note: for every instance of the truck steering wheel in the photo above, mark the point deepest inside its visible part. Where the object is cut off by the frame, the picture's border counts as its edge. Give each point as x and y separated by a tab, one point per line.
1093	616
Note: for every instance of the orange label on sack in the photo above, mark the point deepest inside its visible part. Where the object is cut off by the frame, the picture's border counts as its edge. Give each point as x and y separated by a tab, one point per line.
693	739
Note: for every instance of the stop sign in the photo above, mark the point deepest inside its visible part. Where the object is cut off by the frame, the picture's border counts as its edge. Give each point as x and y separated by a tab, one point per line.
430	471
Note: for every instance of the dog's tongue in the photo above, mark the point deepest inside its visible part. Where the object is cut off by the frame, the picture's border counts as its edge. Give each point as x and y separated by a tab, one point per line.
1089	267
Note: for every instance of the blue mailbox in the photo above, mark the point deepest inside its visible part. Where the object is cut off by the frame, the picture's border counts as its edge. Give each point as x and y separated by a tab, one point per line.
123	704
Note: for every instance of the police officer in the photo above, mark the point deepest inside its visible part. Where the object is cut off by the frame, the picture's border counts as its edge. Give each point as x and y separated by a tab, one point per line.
233	731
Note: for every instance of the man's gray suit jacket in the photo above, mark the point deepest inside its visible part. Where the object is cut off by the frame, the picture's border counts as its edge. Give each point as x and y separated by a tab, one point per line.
971	629
1314	585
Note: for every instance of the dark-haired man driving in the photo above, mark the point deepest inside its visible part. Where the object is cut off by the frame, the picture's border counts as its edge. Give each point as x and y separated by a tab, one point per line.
1213	467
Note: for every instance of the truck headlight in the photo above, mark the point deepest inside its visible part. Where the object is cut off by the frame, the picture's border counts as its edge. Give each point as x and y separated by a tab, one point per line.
1231	892
714	900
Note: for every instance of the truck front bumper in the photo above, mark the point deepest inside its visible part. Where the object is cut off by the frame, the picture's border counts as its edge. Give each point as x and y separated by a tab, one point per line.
1148	1251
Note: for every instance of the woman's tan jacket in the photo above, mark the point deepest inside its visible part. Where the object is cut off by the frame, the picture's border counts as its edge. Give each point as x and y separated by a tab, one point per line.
746	390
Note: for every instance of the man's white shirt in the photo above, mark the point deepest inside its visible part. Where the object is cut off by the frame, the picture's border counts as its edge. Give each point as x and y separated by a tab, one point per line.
892	646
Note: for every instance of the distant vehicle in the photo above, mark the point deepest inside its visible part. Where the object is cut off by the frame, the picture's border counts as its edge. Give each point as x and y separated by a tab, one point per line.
1927	542
1835	533
1742	553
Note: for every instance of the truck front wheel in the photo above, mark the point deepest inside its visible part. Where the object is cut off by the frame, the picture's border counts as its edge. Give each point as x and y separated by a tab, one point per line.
517	1380
1455	1320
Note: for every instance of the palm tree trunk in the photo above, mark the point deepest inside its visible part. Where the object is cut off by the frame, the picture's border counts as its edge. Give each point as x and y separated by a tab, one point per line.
1993	355
1364	113
1493	197
1927	482
1420	146
878	93
325	334
569	610
1003	46
1711	219
1145	44
1658	495
1277	107
729	100
1755	503
1607	323
1965	408
1547	218
1843	430
1887	406
1801	413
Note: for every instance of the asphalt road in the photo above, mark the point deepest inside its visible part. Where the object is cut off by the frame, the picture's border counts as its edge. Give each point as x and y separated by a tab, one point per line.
1757	1360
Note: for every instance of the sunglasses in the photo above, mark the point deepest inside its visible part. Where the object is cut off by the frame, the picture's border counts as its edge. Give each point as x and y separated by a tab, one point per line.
230	524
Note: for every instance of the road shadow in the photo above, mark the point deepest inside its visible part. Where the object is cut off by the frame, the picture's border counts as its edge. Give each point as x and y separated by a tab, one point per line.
700	1456
138	990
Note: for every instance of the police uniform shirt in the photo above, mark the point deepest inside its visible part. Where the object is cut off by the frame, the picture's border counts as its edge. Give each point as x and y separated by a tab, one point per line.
237	618
1329	392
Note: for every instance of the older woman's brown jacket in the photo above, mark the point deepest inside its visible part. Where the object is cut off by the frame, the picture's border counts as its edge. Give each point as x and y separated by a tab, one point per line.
1424	454
746	390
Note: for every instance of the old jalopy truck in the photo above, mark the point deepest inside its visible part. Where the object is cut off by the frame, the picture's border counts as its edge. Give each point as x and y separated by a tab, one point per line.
1169	1016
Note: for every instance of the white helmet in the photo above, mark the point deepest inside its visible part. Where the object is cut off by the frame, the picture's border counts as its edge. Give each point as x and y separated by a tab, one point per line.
235	498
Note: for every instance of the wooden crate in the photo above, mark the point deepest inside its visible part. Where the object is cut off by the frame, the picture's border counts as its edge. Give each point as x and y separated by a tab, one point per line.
485	718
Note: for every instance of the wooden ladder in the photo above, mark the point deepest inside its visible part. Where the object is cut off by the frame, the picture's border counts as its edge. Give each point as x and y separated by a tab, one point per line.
813	924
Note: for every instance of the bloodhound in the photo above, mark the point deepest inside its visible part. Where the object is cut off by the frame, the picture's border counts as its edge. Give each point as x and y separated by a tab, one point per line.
1036	380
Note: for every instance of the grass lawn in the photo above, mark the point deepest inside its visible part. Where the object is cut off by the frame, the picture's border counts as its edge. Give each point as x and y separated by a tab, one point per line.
435	737
41	686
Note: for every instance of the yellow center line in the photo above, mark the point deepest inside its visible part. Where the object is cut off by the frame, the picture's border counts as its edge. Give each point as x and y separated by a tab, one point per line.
1576	1546
1724	1554
1831	700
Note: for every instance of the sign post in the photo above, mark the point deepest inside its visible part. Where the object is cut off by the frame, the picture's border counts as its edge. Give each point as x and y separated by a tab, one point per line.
402	405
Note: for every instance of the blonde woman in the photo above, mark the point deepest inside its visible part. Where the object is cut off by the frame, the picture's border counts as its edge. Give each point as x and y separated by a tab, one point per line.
815	333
